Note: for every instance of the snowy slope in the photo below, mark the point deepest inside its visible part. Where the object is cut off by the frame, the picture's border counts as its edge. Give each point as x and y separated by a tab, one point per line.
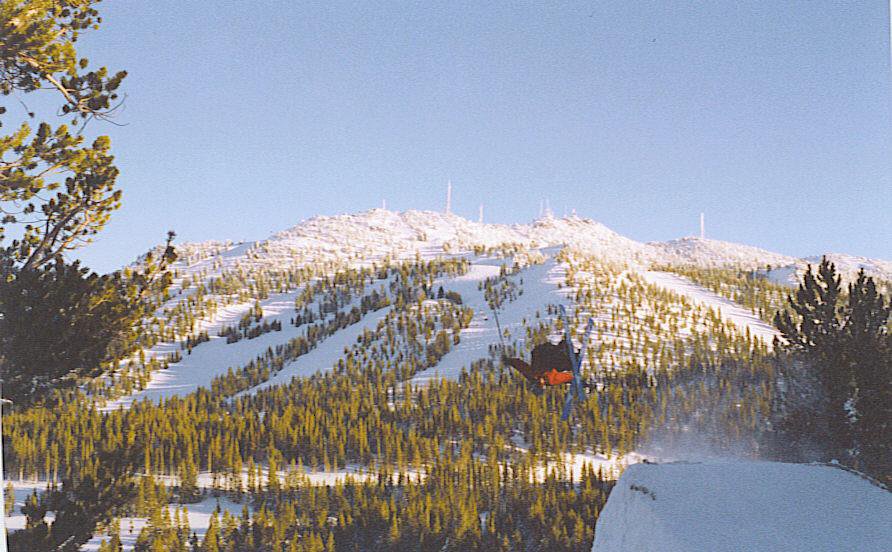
727	309
324	357
361	238
752	506
330	243
215	357
715	253
850	264
783	268
376	233
540	289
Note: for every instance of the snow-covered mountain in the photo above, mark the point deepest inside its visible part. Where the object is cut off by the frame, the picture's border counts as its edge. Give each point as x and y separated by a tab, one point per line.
377	233
849	264
238	279
706	252
731	506
246	317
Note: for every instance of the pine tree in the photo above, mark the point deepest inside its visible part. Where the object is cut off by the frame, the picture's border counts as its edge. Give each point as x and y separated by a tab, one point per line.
189	492
56	319
59	322
272	475
114	533
211	542
846	348
866	332
817	337
85	501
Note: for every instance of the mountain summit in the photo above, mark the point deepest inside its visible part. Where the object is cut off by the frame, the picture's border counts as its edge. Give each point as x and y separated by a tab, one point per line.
378	233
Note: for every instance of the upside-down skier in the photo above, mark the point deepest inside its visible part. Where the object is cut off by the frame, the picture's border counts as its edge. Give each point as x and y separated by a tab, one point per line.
550	365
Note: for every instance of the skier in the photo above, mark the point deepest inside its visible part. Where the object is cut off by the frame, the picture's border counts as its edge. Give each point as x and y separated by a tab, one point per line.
551	365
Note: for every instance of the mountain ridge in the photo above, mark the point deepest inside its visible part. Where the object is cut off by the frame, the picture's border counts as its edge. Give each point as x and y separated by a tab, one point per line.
378	233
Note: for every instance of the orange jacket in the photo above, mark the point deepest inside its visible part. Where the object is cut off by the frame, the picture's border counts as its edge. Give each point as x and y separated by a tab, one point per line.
553	377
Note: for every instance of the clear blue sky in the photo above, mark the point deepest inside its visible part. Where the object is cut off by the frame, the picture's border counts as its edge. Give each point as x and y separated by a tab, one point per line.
775	118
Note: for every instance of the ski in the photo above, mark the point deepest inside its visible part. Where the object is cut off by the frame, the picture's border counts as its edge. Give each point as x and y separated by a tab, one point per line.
576	389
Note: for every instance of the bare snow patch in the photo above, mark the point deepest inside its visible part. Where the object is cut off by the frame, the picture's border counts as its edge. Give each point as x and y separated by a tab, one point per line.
753	506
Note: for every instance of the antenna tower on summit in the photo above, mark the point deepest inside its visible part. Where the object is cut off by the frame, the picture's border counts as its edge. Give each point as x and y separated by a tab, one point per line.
702	226
449	197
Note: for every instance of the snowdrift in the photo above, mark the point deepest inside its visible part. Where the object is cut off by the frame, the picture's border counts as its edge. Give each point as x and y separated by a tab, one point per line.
752	506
